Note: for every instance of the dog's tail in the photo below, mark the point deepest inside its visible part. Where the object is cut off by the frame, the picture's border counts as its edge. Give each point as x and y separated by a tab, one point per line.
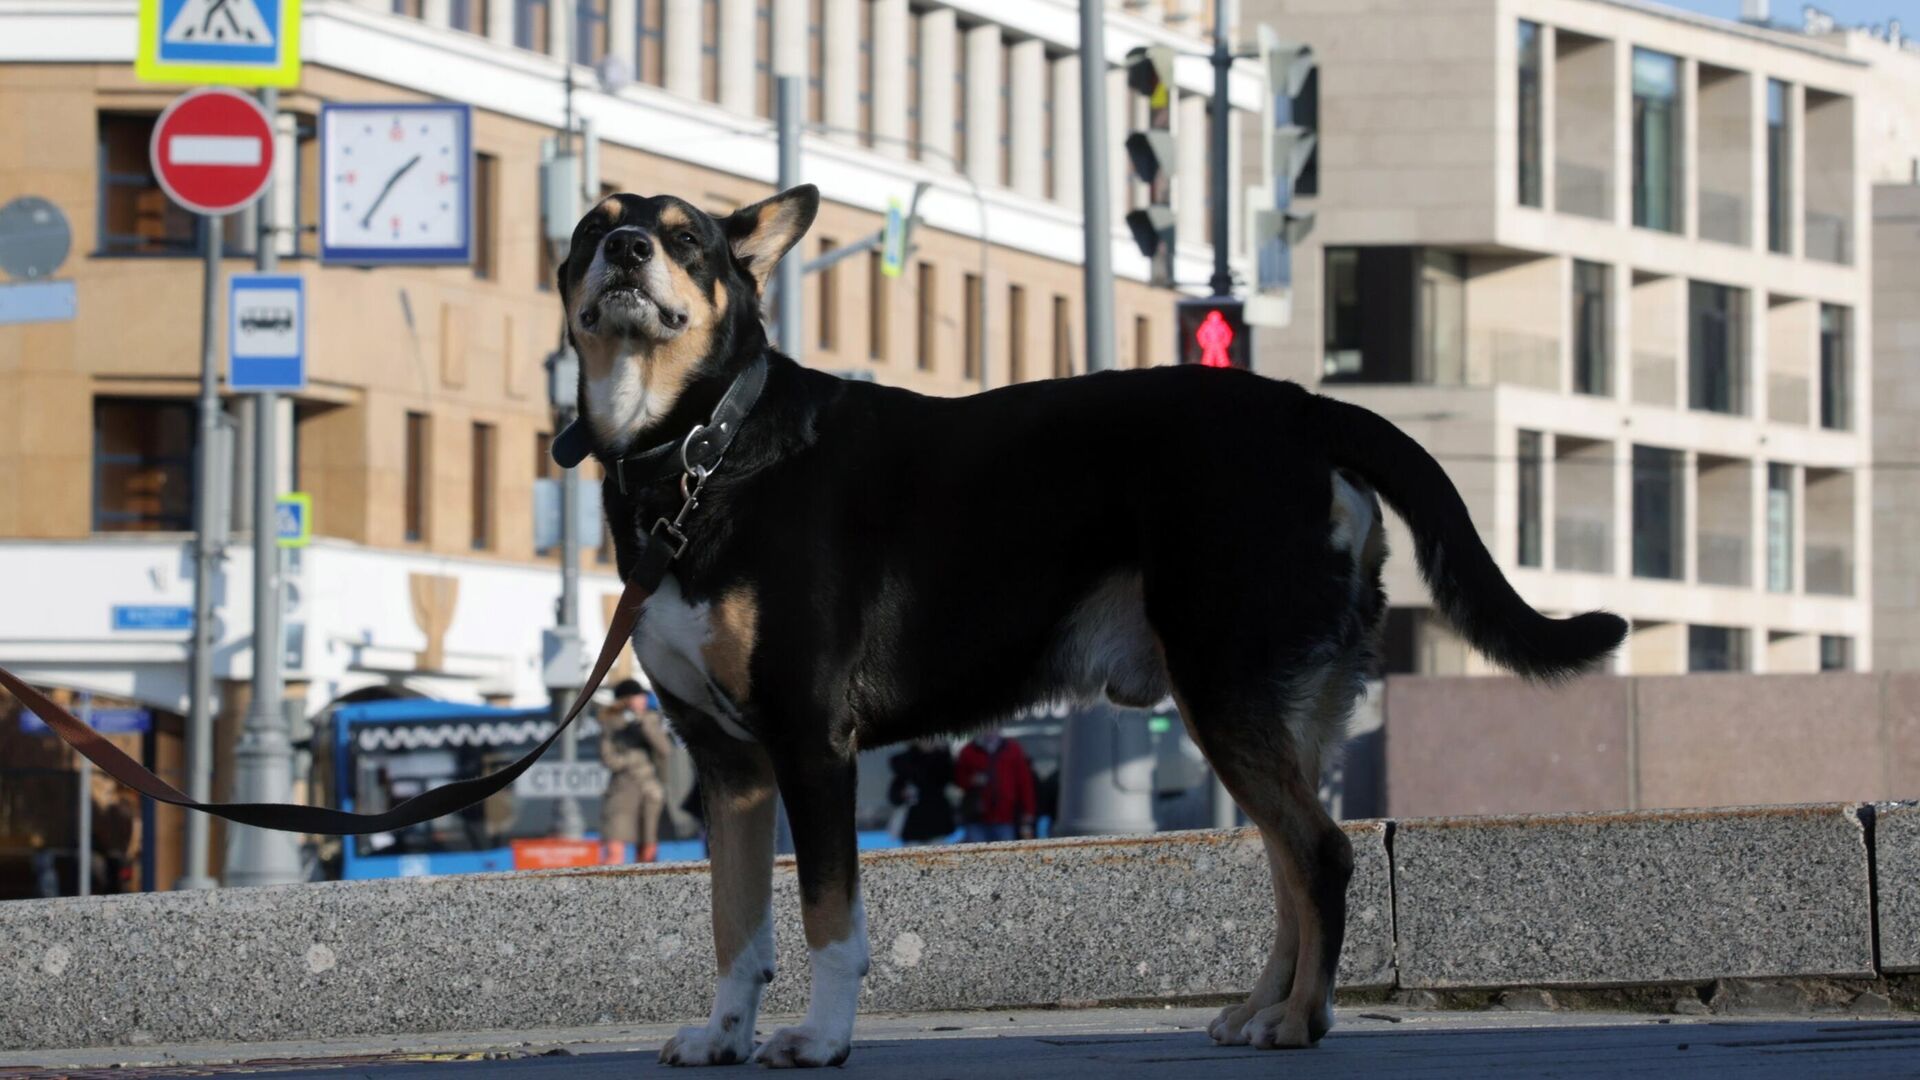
1468	587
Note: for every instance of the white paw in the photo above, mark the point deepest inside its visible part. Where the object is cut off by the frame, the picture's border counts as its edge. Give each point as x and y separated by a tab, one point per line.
1225	1029
709	1045
802	1047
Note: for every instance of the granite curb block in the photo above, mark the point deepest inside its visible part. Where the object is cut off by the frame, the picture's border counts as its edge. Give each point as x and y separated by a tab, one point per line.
1634	898
1039	923
1896	857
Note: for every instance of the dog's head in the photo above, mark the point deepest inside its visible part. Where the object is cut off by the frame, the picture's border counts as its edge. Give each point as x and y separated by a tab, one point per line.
658	284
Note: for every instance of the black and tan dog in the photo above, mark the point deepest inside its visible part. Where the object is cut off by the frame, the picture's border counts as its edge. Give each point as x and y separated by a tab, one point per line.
869	565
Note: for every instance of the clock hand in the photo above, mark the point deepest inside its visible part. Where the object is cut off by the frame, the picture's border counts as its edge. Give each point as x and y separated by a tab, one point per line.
367	221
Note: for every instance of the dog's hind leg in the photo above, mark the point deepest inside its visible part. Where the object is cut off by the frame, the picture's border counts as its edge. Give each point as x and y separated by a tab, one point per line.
817	786
736	794
1276	978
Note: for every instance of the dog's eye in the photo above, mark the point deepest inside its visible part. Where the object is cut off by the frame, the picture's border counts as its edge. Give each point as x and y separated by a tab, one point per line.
685	239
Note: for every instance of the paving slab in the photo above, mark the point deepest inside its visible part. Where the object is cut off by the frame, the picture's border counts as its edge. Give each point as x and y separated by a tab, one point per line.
1632	899
1896	851
1037	923
1114	1044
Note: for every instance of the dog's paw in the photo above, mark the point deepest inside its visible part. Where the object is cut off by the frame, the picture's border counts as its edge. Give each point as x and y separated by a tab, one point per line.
1226	1028
1271	1029
708	1046
802	1047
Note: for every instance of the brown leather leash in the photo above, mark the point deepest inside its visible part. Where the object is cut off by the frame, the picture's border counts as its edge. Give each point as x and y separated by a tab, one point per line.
699	454
288	817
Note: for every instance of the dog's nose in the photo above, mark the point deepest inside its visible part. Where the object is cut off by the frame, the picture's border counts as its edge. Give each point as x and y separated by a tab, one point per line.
628	247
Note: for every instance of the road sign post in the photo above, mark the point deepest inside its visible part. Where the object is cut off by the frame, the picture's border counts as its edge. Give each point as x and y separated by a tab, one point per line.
212	152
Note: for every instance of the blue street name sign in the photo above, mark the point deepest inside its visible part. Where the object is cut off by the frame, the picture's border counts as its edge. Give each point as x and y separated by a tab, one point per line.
104	721
152	617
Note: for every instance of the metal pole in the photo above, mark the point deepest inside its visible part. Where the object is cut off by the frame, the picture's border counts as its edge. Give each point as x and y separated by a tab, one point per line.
84	842
568	821
207	483
263	762
790	90
1098	215
1221	112
1100	788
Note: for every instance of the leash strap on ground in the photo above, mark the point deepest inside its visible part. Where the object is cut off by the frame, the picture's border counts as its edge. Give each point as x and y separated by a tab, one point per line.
288	817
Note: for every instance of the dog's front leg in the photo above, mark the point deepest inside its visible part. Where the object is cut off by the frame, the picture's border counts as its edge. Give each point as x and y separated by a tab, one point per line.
737	793
818	791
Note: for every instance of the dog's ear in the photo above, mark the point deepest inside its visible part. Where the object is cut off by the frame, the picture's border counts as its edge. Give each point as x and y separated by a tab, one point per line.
760	234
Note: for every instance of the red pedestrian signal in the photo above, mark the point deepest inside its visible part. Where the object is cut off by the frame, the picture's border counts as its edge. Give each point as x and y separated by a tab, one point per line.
1213	333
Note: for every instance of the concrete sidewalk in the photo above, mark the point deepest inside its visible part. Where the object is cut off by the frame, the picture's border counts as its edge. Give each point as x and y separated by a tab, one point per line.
1117	1044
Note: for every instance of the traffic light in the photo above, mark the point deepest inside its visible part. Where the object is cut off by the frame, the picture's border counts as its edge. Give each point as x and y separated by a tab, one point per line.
1213	333
1152	153
1290	166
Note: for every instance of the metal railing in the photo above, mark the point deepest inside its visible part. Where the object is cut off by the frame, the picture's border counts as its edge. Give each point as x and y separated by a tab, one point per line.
1788	397
1829	570
1583	544
1514	357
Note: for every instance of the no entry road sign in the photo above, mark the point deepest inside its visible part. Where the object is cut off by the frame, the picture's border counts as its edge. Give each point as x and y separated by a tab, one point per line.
212	151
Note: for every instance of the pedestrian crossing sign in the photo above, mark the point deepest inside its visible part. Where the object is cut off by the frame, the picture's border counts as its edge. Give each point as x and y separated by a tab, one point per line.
219	42
293	519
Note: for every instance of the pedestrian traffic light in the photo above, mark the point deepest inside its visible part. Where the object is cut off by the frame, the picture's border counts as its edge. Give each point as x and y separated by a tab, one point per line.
1290	167
1213	333
1153	154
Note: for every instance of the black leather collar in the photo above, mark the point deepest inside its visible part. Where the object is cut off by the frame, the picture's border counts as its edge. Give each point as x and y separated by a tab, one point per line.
698	451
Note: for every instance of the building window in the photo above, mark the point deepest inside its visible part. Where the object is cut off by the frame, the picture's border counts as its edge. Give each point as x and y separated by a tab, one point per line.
1142	341
143	465
486	188
416	477
530	24
1836	653
1342	322
974	298
468	15
648	42
1659	523
1592	329
483	448
1717	348
1016	334
408	8
1006	115
1532	498
709	51
1716	648
926	341
1779	166
590	30
1304	110
865	95
1062	338
913	85
828	299
816	62
1048	181
1836	367
1779	528
134	216
879	304
960	98
1656	140
1529	130
763	56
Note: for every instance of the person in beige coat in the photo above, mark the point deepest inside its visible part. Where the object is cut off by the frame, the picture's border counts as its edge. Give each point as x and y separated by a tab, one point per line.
634	748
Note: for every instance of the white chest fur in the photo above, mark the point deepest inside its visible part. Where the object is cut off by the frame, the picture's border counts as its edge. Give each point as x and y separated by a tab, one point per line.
617	402
670	642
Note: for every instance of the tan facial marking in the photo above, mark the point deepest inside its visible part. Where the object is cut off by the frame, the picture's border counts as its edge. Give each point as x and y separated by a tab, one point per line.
729	652
611	208
672	218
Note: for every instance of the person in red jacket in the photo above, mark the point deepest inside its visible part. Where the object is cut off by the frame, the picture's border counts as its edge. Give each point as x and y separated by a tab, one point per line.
996	785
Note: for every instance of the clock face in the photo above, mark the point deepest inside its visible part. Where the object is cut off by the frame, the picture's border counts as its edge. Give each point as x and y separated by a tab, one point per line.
396	184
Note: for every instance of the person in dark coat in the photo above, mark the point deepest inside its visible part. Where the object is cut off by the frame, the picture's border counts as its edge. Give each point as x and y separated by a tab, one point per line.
921	774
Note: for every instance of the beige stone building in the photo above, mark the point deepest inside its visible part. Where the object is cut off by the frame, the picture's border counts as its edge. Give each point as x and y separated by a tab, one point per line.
422	435
1613	264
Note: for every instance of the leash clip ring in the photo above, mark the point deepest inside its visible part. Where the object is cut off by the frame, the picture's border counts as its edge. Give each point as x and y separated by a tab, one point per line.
686	446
